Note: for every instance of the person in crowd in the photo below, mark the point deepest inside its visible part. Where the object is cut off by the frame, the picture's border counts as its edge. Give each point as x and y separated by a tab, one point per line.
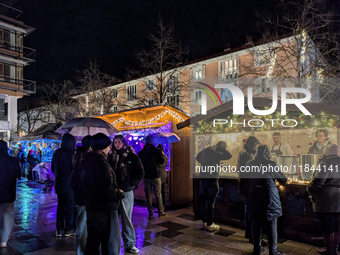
265	204
152	158
129	173
248	153
209	186
324	191
20	154
62	166
102	198
279	148
32	161
162	174
76	183
10	171
322	136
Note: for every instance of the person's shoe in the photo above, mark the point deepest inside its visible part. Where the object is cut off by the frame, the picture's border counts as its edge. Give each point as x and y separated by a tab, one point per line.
132	250
58	233
204	225
3	245
151	217
213	227
264	242
69	233
162	214
255	252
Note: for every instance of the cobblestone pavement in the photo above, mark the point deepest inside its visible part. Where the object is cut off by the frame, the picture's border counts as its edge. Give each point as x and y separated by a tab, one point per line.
177	233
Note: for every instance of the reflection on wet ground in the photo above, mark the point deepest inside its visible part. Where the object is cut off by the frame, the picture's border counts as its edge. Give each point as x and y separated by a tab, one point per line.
177	233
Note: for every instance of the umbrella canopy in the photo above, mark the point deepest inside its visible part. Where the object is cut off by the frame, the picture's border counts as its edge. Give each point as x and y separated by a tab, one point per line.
87	126
164	138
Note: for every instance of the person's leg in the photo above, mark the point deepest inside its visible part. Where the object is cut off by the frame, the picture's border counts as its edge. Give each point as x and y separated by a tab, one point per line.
69	211
6	221
256	234
156	183
327	228
81	230
272	236
94	233
148	195
163	195
203	198
114	242
61	211
247	218
125	211
212	192
336	232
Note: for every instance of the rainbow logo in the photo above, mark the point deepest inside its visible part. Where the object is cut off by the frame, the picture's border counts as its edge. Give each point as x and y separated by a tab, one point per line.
209	93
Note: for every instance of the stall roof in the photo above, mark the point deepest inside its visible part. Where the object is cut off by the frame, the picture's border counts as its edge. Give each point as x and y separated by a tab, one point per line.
261	102
46	131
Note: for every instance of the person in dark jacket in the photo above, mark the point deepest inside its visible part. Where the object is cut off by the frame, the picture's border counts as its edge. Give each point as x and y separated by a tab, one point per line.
77	186
10	171
129	173
324	191
62	166
265	204
162	174
209	186
248	153
102	197
152	158
322	136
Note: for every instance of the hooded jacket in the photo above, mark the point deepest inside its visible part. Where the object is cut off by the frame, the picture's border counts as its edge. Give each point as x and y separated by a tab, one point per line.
128	168
10	171
151	158
324	189
77	176
62	164
101	189
263	192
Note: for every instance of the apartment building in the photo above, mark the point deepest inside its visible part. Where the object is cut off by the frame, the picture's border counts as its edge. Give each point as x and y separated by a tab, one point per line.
13	58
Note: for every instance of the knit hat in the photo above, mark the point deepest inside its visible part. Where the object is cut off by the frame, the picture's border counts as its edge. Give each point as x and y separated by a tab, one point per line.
86	141
331	149
100	141
3	147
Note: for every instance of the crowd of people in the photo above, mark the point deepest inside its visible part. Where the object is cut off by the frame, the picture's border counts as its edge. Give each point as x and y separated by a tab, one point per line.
261	195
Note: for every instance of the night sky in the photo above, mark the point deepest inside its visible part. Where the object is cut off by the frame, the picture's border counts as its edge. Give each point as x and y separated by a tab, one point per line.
71	33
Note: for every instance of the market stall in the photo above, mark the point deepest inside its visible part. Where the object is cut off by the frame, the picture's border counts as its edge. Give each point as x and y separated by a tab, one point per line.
298	221
136	124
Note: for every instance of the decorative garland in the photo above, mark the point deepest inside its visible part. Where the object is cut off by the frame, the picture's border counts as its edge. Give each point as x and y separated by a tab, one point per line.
150	121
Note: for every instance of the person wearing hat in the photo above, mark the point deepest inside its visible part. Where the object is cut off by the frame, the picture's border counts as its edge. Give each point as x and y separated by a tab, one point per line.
102	198
209	186
76	183
62	166
324	192
265	204
10	171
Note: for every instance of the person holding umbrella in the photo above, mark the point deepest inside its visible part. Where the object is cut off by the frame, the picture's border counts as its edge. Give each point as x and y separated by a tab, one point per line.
129	173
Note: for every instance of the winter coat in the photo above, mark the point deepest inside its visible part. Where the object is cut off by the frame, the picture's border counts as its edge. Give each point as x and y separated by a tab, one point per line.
128	168
151	158
62	167
161	169
101	190
10	171
324	189
76	181
211	157
246	155
264	195
314	148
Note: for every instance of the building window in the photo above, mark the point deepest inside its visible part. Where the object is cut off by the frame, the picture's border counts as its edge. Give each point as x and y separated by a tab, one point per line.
264	57
198	73
229	68
173	100
172	82
131	92
196	96
150	102
150	85
262	86
114	108
115	93
47	116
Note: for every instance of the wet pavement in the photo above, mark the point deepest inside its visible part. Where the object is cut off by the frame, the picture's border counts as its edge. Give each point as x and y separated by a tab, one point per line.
178	233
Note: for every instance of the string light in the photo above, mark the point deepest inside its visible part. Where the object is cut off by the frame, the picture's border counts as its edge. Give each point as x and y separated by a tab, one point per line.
87	103
150	121
303	48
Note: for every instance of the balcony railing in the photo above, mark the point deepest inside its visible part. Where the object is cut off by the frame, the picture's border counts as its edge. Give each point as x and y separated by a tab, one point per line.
17	51
15	84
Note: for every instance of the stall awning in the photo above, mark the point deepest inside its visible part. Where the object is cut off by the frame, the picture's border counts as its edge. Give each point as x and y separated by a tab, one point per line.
46	131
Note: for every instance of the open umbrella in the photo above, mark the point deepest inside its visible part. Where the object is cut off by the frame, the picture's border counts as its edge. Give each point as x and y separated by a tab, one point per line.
87	126
164	138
